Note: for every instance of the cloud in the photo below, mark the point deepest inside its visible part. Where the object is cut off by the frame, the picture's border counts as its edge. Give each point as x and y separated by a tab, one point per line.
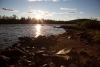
43	0
42	12
71	12
60	13
55	0
69	16
76	18
34	0
46	13
68	8
29	12
66	0
10	10
81	12
54	13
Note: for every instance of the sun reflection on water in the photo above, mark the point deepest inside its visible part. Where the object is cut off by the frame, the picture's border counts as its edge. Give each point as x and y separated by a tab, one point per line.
38	30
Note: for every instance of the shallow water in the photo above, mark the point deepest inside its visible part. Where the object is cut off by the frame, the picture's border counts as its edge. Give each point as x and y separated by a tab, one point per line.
9	33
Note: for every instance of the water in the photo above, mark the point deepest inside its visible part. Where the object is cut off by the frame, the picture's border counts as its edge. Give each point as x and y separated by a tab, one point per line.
9	33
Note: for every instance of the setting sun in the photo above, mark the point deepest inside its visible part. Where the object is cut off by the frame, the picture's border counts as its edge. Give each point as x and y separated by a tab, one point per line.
38	16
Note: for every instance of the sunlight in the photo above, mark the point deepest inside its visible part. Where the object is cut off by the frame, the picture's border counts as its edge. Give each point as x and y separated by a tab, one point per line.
38	30
38	16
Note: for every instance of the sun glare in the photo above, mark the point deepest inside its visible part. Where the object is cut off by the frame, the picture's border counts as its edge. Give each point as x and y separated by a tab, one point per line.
38	30
38	16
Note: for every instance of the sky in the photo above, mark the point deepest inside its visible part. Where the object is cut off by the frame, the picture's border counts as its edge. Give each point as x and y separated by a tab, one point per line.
51	9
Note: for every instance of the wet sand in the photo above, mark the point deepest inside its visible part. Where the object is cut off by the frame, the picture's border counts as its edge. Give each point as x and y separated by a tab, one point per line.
70	49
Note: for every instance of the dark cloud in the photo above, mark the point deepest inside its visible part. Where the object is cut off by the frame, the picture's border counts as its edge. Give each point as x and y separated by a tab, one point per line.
11	10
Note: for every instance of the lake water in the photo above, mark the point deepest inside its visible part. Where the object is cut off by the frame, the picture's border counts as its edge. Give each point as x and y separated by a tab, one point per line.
9	33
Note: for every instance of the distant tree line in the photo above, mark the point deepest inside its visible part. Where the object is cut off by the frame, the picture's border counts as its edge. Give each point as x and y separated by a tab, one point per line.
15	20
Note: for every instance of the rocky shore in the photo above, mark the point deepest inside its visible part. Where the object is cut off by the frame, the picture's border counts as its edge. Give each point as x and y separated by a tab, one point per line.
71	49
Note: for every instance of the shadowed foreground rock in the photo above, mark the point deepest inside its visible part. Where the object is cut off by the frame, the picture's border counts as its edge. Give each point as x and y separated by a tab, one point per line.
4	61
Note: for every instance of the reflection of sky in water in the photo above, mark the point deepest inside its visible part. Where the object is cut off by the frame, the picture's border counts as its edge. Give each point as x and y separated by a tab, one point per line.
38	30
9	33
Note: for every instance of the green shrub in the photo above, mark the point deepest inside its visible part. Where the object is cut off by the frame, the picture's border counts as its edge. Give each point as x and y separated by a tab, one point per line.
89	24
96	37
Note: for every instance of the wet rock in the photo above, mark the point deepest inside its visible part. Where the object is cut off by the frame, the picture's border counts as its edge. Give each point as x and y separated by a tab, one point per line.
4	61
23	39
16	45
12	53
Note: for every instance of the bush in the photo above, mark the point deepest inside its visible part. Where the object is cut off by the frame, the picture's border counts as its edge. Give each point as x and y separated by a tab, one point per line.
89	24
96	37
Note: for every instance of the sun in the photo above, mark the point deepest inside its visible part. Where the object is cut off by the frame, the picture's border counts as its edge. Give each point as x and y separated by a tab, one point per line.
38	16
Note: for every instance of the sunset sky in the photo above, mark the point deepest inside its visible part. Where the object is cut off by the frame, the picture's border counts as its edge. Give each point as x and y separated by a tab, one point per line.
51	9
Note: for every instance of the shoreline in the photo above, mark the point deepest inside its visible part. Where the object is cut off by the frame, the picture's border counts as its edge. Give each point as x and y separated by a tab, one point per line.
74	48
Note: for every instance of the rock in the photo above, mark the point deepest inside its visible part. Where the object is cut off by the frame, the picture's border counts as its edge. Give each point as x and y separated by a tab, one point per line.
72	65
67	51
62	66
27	62
12	53
1	45
84	54
63	51
81	33
90	64
1	50
4	61
16	45
71	37
69	54
45	65
43	48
